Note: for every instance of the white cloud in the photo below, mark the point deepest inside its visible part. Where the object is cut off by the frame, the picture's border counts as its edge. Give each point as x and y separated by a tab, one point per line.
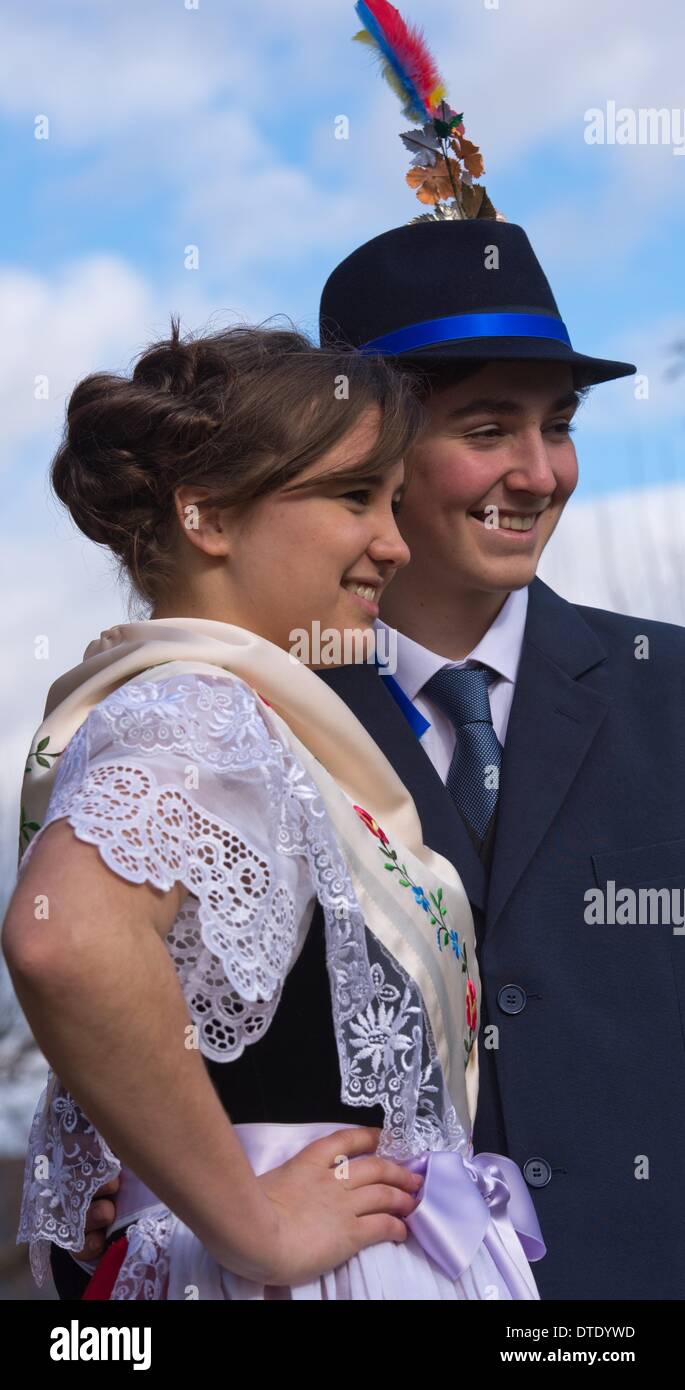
95	314
623	552
60	328
529	70
622	404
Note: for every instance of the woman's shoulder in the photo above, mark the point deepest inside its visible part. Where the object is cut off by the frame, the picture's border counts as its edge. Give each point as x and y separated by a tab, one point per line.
213	716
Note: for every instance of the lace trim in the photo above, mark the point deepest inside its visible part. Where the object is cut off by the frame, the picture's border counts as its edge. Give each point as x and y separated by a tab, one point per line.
144	1270
243	927
67	1161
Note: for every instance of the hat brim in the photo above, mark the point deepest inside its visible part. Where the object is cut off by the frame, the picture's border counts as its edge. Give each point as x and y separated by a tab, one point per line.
587	371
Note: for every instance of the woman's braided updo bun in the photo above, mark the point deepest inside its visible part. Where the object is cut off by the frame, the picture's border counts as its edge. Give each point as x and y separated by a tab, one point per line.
239	413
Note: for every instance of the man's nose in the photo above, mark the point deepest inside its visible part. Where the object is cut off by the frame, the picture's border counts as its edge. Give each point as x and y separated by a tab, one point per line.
531	470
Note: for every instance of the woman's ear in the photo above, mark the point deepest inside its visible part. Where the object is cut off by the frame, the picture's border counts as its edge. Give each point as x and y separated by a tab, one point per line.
206	527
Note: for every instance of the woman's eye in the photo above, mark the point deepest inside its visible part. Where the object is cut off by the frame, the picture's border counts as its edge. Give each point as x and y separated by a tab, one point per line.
360	494
363	497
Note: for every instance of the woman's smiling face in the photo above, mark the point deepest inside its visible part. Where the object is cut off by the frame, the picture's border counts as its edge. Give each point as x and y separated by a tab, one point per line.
299	556
490	477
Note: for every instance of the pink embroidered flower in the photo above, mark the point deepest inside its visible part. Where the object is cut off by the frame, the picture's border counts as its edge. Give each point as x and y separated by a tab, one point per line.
471	1009
372	825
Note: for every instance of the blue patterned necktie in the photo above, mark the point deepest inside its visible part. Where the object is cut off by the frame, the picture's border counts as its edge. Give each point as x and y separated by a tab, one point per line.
473	777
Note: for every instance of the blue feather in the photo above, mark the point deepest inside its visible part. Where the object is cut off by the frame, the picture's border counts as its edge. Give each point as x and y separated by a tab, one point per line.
415	108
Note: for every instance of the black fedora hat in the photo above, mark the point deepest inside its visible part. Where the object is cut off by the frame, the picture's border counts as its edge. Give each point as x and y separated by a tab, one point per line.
435	292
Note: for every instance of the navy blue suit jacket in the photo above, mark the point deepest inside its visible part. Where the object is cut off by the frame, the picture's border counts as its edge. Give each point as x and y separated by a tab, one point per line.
590	1072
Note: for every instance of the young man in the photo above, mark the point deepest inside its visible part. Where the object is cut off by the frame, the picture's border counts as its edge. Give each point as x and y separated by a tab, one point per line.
562	746
550	769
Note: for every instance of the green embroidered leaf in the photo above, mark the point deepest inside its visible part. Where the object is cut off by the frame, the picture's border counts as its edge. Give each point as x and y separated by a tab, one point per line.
43	761
403	883
43	743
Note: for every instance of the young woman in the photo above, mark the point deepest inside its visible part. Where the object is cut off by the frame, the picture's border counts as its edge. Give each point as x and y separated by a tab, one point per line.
191	794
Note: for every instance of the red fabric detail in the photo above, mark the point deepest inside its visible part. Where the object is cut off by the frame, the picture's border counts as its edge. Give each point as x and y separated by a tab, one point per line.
103	1280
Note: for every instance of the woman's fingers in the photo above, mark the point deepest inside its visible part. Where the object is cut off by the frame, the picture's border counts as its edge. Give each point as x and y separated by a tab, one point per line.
371	1230
344	1143
382	1170
382	1197
112	1186
93	1248
99	1215
367	1168
360	1144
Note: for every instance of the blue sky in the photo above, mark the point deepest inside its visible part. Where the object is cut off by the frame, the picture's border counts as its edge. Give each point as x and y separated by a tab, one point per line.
213	126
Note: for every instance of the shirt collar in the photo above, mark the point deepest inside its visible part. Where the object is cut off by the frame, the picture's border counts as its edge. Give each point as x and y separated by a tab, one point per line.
499	648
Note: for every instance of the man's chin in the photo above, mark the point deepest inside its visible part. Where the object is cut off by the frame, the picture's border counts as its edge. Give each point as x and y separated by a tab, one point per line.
514	573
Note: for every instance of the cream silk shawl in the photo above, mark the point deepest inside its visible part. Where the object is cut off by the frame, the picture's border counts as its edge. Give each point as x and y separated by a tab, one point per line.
419	911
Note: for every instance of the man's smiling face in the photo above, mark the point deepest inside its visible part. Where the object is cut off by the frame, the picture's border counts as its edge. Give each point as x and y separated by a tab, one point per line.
490	477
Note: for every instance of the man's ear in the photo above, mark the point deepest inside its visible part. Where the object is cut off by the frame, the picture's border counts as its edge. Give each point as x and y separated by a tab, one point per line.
205	526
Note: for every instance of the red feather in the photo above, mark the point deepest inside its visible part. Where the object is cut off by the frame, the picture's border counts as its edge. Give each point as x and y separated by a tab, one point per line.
409	47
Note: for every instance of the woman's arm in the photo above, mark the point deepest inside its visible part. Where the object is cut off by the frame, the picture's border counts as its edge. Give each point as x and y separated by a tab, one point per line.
101	994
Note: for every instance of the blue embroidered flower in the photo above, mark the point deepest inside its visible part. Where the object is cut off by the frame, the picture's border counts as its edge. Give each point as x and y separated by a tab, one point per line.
420	896
454	943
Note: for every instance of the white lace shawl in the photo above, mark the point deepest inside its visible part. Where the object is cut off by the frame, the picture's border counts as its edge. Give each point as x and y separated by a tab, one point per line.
183	779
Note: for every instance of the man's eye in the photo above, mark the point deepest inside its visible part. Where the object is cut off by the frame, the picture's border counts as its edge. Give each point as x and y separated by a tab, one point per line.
492	432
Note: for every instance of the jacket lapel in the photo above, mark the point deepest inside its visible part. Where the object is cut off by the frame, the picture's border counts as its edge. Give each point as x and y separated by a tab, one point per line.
364	691
553	722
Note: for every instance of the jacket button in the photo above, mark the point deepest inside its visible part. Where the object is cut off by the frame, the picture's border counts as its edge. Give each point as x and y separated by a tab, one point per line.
511	999
537	1172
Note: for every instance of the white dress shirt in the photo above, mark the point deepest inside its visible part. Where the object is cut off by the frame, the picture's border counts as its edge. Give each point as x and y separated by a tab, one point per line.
499	648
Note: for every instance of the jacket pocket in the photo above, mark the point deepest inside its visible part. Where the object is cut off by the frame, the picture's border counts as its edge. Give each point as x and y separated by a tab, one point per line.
662	865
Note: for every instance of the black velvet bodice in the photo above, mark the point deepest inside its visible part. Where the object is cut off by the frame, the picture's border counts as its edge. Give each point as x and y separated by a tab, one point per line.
292	1074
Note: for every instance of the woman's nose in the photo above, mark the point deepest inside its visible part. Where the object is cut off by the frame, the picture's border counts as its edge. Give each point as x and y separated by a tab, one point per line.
389	547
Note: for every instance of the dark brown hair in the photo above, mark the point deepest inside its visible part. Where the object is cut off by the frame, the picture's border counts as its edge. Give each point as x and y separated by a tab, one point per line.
239	413
439	376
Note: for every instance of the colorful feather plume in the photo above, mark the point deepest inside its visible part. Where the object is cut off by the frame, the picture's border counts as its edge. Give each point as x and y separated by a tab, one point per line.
408	65
445	163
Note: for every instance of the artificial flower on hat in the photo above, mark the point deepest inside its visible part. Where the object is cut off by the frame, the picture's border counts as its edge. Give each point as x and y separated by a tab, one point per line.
445	162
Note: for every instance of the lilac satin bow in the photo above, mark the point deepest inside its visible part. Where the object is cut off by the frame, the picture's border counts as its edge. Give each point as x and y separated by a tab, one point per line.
460	1198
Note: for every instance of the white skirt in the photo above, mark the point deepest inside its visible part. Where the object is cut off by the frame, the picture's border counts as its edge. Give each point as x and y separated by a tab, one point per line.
499	1268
